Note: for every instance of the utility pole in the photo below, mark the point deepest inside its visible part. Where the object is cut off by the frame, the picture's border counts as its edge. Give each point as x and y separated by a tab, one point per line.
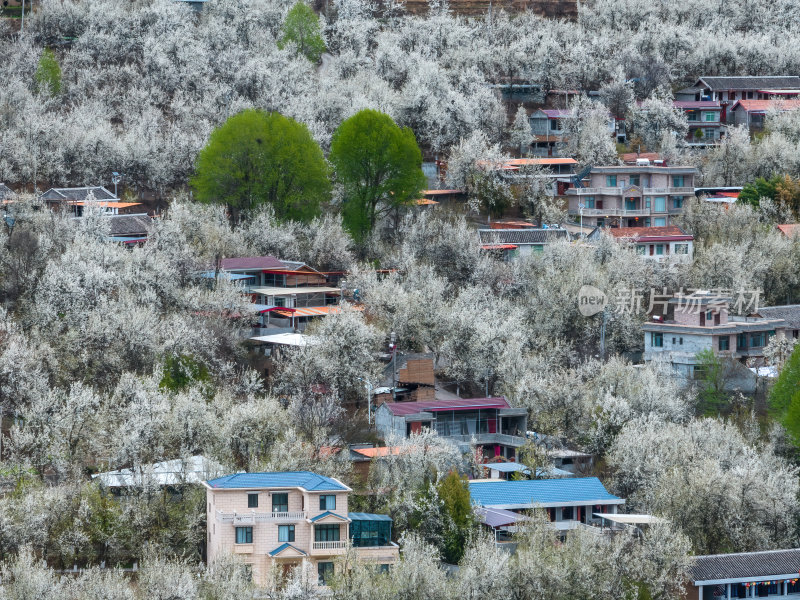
393	346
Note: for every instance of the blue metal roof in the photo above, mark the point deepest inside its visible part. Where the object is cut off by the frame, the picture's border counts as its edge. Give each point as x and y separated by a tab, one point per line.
541	492
303	479
283	547
327	513
368	517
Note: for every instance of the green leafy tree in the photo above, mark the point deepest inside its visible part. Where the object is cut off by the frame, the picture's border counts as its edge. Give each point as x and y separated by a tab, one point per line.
379	165
48	73
454	494
784	398
714	373
256	158
761	188
302	29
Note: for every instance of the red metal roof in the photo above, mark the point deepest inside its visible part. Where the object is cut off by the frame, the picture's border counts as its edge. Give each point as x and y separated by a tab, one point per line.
555	113
789	230
651	234
412	408
499	247
252	262
756	106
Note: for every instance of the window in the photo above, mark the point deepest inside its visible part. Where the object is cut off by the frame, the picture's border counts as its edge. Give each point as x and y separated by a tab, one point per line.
640	249
709	117
566	513
757	340
611	181
674	340
647	203
325	571
657	339
285	533
327	502
691	115
244	535
724	343
601	222
588	202
681	248
659	249
741	341
677	181
554	125
680	341
383	568
280	502
252	500
660	204
326	533
371	533
659	222
538	248
636	179
677	202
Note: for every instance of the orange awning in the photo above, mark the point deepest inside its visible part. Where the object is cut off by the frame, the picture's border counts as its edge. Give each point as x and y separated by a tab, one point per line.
312	311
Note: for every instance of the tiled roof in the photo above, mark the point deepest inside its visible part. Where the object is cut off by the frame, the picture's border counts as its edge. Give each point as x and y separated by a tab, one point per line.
139	224
252	262
522	236
78	194
412	408
752	83
789	230
283	547
326	514
302	479
645	233
789	313
766	105
769	563
555	113
541	492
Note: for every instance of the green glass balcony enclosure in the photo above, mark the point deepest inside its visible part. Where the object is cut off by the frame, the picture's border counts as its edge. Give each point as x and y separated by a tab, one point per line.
370	530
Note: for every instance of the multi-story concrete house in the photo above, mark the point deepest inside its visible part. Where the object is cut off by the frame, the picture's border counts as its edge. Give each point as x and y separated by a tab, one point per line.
548	130
703	116
289	294
653	243
701	321
646	195
496	427
728	90
277	521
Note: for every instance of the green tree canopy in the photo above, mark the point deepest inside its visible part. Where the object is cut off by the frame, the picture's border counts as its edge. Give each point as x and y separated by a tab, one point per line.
784	398
783	189
302	28
454	495
48	73
379	165
256	158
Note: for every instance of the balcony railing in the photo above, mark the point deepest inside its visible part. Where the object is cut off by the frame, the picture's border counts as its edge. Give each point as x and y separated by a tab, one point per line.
618	191
246	518
609	212
337	545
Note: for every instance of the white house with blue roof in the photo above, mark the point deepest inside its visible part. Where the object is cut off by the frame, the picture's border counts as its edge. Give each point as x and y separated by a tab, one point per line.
288	519
567	501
